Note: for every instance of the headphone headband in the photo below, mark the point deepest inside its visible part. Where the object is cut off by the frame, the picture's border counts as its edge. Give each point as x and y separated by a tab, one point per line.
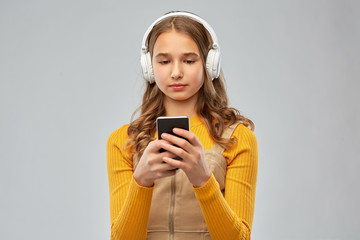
211	31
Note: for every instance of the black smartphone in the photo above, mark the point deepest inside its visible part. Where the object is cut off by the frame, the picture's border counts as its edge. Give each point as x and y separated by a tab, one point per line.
167	124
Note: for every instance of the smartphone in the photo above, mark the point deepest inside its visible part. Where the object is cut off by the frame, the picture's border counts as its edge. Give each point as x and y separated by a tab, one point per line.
167	124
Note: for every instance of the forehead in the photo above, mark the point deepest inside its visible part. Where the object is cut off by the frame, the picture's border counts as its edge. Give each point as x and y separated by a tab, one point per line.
175	42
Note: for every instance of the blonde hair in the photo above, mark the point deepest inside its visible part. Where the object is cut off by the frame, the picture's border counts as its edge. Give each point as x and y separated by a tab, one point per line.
212	106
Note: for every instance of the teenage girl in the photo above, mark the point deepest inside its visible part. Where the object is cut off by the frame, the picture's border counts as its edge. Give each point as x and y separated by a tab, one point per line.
210	192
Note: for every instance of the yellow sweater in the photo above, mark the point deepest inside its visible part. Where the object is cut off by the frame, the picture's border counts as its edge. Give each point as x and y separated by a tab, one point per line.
226	217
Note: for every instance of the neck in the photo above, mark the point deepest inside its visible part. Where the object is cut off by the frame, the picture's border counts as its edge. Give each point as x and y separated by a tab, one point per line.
180	108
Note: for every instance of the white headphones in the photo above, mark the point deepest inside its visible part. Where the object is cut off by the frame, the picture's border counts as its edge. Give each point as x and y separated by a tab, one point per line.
213	60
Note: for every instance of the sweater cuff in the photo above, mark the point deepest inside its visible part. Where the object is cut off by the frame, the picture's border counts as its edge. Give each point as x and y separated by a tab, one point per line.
140	190
208	191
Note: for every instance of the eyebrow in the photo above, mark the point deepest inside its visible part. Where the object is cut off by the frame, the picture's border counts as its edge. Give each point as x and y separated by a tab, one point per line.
162	55
191	54
185	54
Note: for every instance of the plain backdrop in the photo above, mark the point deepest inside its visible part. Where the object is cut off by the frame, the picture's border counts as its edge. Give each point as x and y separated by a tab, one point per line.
70	75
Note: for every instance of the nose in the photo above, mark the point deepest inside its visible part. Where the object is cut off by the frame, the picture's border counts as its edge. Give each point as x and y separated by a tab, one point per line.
177	72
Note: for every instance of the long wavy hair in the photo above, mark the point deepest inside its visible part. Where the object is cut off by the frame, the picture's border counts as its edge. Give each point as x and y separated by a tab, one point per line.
212	104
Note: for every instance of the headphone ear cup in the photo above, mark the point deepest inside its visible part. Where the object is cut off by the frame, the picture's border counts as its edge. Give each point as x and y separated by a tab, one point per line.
147	67
213	63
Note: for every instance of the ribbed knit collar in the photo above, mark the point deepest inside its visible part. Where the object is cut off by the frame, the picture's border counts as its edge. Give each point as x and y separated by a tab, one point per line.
195	121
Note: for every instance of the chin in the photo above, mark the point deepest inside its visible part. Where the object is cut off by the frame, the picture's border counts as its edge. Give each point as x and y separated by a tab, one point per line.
180	98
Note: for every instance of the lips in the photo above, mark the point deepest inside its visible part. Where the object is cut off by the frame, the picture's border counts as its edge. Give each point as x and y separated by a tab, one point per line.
178	86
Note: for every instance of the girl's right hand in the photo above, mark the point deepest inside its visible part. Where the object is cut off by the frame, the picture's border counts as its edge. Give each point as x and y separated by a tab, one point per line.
151	165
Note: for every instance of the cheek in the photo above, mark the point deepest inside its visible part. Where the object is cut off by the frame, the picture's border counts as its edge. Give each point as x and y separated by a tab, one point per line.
159	75
198	75
159	72
160	78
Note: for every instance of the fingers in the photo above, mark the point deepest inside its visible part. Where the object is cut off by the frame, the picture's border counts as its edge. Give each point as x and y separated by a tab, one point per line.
174	150
171	151
162	169
176	164
179	146
153	157
187	145
155	145
191	137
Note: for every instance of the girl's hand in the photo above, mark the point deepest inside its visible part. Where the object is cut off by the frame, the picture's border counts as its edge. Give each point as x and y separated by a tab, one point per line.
191	153
151	165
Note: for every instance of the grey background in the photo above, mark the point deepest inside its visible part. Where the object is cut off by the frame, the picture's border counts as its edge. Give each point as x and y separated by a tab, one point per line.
70	75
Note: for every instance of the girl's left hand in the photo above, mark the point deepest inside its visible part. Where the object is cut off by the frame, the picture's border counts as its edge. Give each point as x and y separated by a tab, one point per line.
191	153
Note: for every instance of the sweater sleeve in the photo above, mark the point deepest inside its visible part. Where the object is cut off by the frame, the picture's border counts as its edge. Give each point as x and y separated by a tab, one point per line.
231	217
129	202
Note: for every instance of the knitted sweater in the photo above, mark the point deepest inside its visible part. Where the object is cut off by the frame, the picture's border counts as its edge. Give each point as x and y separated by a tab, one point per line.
227	217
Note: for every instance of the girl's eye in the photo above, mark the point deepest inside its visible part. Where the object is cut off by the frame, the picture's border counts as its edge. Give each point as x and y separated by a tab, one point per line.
164	62
189	61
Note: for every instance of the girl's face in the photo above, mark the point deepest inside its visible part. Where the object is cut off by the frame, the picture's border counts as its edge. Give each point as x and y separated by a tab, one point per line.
178	67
